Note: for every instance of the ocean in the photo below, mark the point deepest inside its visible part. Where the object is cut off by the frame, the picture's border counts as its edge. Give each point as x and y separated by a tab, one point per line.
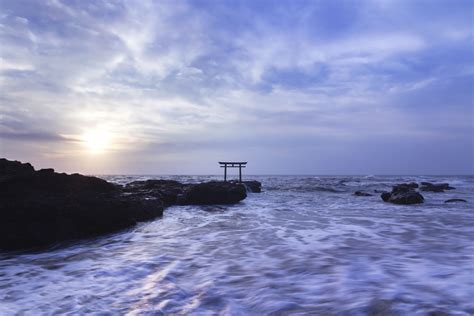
304	246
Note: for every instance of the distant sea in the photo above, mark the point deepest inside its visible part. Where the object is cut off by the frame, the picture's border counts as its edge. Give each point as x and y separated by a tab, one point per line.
305	245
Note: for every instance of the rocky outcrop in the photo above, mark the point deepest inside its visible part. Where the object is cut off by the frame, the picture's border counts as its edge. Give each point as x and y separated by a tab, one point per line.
173	192
41	207
432	187
253	186
402	194
214	192
13	168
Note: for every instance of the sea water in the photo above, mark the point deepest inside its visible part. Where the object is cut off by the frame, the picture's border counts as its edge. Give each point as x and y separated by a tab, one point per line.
305	245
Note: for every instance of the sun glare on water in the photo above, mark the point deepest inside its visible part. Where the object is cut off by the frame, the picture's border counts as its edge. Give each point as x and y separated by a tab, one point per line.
97	141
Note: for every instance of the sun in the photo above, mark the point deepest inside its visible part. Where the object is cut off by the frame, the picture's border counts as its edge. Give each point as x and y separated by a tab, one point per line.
96	141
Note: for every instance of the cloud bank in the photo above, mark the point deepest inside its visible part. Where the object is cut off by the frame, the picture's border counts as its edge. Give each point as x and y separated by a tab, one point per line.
316	87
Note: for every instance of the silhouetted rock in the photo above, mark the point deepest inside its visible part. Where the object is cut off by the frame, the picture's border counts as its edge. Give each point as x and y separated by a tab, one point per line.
213	192
432	187
42	207
454	200
361	193
402	194
47	170
14	168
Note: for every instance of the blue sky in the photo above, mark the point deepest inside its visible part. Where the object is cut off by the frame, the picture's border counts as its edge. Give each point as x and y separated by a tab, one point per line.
293	87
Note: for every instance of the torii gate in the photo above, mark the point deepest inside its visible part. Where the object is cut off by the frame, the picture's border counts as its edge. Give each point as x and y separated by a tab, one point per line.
232	164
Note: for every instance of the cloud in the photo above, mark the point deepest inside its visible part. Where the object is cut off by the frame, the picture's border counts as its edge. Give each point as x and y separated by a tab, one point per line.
32	136
197	77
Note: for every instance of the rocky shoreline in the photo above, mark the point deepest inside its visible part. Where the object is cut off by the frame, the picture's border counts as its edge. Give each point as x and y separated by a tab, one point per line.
38	208
41	207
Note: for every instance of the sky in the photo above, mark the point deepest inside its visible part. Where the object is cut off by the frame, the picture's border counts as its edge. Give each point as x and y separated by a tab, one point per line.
292	87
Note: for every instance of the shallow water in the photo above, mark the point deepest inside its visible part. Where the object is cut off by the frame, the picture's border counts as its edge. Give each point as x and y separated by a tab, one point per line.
305	245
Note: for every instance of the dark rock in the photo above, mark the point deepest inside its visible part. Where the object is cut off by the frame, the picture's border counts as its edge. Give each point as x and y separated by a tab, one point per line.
214	192
173	192
167	190
412	185
42	207
454	200
432	187
361	193
401	188
385	196
54	183
253	185
402	194
14	168
40	221
445	186
408	197
48	170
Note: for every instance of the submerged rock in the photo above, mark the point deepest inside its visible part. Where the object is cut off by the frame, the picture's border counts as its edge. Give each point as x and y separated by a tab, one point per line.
380	307
454	200
402	194
362	193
